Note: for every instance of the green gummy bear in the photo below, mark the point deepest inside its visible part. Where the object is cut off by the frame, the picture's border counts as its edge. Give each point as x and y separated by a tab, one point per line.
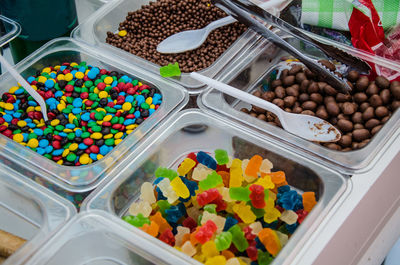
257	212
238	238
264	258
211	181
170	70
239	193
166	173
223	241
211	208
221	156
137	221
163	205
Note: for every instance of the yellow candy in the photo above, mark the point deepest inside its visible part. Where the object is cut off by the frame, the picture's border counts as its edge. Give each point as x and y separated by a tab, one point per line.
33	143
46	70
149	100
68	77
99	156
9	106
103	94
129	131
42	79
127	106
209	249
236	174
180	188
60	77
122	33
55	122
118	135
79	75
37	108
73	147
217	260
96	136
107	118
265	182
108	80
108	136
186	165
131	127
65	153
152	106
118	141
60	162
73	64
13	89
18	137
84	159
244	212
21	123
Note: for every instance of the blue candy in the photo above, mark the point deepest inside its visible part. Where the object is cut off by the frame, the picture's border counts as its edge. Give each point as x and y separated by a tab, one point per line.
49	83
229	223
7	117
58	152
30	79
82	146
43	143
206	160
38	132
78	133
104	150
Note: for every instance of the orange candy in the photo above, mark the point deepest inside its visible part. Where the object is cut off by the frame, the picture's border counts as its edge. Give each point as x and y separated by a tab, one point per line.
185	238
225	177
151	229
253	166
193	238
161	222
227	254
309	200
278	178
270	240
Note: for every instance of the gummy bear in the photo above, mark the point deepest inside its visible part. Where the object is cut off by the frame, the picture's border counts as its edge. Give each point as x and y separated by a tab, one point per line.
210	208
244	212
257	196
141	207
209	249
165	173
163	205
166	189
253	166
147	193
180	188
225	177
186	166
167	237
270	240
264	258
221	156
188	249
190	223
151	229
181	231
236	175
238	238
223	241
170	70
288	217
201	172
252	253
206	160
219	221
162	223
207	196
239	193
217	260
229	223
211	181
137	221
206	232
308	200
266	166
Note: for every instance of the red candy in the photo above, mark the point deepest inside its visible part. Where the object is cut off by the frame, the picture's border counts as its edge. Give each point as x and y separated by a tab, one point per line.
69	88
257	196
206	232
101	86
168	237
301	214
207	196
88	141
252	253
190	223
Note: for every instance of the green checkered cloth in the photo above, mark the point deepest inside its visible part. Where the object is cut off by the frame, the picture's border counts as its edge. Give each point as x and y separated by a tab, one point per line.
335	14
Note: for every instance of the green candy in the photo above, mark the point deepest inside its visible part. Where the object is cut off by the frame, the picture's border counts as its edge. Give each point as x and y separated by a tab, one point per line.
16	131
71	157
71	136
97	81
166	173
77	89
144	105
264	258
137	221
109	142
211	181
210	208
121	80
93	97
221	156
95	104
98	116
121	120
223	241
135	82
91	124
47	131
32	136
48	156
66	111
85	135
96	128
170	70
60	128
239	193
163	205
88	84
238	238
114	131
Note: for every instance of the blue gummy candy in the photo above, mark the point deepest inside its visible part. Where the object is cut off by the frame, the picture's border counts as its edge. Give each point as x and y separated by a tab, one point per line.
206	160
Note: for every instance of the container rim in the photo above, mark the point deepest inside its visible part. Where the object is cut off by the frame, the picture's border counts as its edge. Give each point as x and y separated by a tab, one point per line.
14	29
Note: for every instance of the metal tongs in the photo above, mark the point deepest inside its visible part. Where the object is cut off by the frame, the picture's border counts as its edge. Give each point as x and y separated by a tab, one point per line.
243	10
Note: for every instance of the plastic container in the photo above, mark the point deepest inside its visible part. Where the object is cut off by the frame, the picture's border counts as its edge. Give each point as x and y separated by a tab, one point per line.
11	30
192	131
85	178
250	76
94	31
97	237
29	211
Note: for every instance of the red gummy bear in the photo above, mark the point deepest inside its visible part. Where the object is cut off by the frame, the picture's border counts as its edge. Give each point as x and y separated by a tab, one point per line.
206	232
257	196
221	204
208	196
190	223
167	237
252	253
248	234
301	214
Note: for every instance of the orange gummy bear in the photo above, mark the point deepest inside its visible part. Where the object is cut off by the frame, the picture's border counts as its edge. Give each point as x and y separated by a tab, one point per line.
225	177
227	254
270	240
309	200
151	229
253	166
162	223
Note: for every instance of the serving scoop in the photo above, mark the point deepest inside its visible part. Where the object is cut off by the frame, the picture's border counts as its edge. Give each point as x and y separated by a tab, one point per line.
306	126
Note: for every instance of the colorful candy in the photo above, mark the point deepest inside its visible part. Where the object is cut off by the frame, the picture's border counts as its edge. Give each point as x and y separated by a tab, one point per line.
90	111
242	218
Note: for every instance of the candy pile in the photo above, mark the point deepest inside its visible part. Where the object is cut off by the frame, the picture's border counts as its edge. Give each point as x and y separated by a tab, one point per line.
90	111
222	210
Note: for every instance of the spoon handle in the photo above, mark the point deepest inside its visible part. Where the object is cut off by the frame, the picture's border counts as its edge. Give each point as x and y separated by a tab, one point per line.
25	84
220	23
234	92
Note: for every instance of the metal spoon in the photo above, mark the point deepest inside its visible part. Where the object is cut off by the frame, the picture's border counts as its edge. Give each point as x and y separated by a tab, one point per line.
306	126
25	85
192	39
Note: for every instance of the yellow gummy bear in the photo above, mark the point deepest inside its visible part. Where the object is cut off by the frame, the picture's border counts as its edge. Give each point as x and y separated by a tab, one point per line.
266	182
180	188
271	213
209	249
186	165
236	176
217	260
244	212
